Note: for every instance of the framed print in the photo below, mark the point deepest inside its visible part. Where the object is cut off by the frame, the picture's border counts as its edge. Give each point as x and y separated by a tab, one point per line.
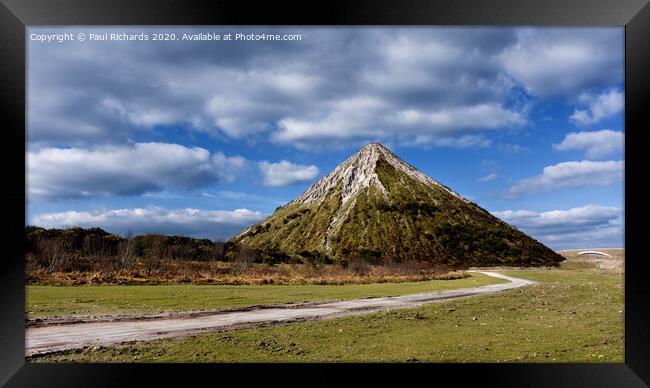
385	192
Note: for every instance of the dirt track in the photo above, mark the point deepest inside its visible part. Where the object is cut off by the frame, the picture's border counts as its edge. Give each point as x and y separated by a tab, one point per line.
56	338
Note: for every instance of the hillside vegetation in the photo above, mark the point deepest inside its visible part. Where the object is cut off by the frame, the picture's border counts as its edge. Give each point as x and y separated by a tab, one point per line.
401	219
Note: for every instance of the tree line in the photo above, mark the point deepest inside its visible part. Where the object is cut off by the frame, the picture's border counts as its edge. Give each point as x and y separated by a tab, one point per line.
87	249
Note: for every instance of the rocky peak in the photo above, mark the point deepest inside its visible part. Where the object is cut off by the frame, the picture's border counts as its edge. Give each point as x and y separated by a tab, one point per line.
358	172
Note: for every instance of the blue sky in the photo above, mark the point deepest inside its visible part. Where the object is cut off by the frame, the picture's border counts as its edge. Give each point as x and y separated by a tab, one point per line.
204	138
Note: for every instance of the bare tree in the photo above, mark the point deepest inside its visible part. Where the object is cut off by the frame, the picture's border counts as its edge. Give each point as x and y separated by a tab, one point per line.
151	263
92	245
53	253
216	255
243	261
218	251
125	254
154	254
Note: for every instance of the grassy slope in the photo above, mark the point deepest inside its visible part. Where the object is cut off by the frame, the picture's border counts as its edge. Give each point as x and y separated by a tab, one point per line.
418	222
570	316
294	228
85	300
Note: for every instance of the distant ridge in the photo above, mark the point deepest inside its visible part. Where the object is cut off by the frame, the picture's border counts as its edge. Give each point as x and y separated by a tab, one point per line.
375	206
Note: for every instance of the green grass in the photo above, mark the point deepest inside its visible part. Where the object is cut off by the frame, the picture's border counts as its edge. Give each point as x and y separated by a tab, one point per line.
570	316
45	301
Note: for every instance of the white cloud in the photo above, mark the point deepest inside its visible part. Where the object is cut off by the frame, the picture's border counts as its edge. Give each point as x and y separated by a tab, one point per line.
488	178
394	85
136	115
228	166
371	117
581	227
459	142
285	173
124	170
565	61
238	116
595	144
598	108
571	175
190	222
480	116
441	81
348	118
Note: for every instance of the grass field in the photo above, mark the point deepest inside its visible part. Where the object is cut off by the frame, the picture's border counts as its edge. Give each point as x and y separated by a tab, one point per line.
570	316
44	301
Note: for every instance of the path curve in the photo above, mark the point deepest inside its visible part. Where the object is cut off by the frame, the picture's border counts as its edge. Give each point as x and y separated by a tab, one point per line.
56	338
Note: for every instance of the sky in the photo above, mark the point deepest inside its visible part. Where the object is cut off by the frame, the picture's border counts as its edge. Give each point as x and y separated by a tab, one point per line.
206	137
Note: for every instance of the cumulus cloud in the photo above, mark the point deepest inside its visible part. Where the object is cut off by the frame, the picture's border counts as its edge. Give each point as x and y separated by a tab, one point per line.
571	175
213	224
286	173
586	226
595	144
477	116
84	92
598	108
393	84
446	127
55	173
388	84
565	61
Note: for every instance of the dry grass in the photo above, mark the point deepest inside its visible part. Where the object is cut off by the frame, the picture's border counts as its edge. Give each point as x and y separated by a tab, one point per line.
226	273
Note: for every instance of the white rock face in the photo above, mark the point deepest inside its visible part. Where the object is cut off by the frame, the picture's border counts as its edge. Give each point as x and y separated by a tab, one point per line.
358	172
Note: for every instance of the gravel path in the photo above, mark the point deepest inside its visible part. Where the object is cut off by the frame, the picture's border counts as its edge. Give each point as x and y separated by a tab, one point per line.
55	338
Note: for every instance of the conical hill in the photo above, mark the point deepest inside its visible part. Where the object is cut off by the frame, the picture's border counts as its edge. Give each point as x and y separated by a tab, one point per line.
374	206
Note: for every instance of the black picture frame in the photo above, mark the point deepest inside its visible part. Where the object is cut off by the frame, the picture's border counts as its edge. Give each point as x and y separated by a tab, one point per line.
15	15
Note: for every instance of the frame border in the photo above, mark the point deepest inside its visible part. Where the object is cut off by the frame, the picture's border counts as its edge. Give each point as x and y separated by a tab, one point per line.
16	15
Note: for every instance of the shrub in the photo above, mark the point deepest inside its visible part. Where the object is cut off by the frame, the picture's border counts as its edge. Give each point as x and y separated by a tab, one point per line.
243	260
52	253
274	256
359	266
126	254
